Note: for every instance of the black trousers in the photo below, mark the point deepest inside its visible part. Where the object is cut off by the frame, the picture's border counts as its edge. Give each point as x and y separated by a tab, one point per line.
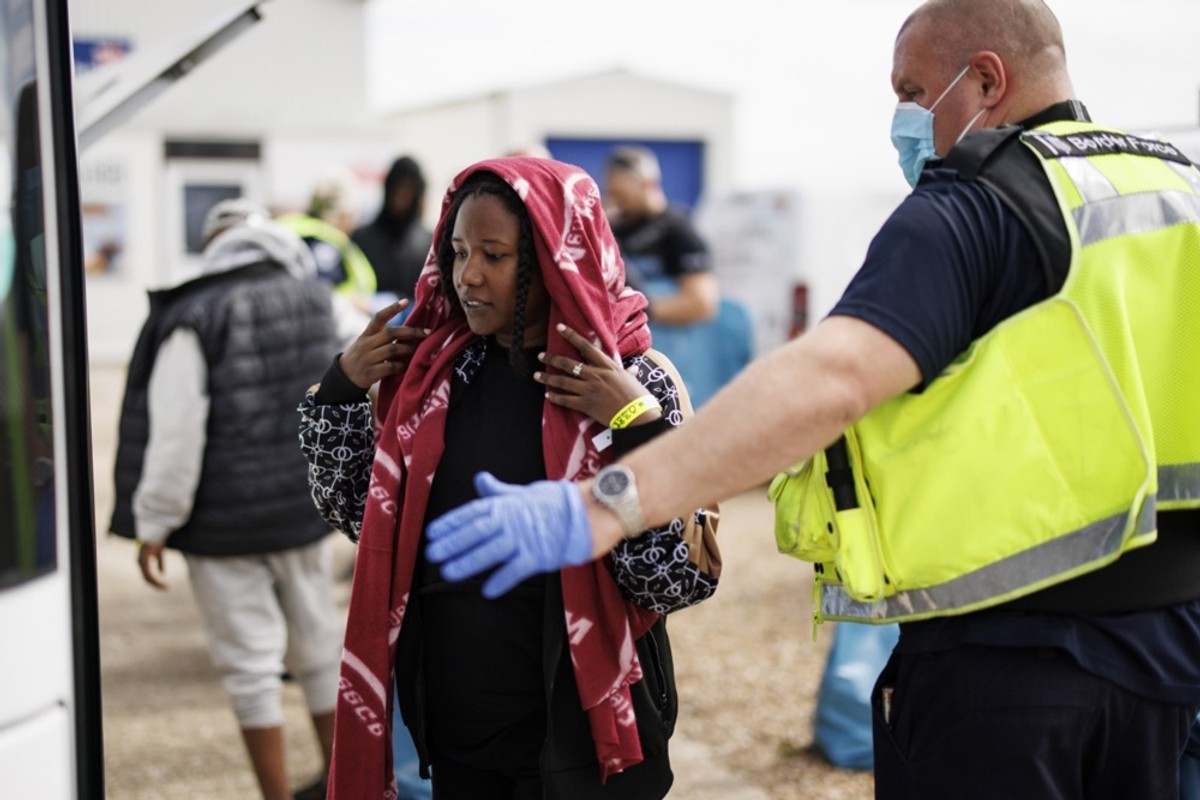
454	781
1001	723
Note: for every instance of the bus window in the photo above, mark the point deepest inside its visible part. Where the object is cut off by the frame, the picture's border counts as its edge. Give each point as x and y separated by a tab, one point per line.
27	524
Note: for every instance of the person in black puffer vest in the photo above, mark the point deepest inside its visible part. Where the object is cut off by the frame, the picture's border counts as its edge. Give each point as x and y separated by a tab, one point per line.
208	464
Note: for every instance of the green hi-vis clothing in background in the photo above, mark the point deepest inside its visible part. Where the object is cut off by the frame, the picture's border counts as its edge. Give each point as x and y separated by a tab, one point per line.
1042	452
339	260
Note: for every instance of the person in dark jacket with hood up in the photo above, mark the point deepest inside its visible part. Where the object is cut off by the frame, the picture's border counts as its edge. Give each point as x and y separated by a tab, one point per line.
396	241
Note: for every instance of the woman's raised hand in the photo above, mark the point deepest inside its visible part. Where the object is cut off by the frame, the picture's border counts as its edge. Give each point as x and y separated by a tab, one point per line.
594	384
381	350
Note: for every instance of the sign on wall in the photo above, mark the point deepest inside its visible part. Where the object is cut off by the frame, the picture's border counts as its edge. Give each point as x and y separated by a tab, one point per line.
103	189
92	52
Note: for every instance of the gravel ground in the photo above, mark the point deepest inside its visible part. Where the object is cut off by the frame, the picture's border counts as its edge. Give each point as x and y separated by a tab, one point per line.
748	668
746	664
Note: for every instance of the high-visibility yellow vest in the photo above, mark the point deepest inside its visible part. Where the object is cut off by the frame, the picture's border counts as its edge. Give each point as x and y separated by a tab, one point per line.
1042	452
360	275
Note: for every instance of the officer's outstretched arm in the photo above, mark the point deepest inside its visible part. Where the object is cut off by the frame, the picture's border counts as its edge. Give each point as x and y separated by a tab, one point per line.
781	409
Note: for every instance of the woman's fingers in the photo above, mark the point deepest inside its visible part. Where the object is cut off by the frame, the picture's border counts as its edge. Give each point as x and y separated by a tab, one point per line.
387	369
566	400
401	347
564	382
405	332
379	319
391	351
567	366
592	383
382	353
590	353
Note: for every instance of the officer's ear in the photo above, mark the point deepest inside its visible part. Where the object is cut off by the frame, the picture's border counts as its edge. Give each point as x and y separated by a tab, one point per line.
991	76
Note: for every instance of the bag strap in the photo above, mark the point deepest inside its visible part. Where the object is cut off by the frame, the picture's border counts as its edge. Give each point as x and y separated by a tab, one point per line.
701	539
660	360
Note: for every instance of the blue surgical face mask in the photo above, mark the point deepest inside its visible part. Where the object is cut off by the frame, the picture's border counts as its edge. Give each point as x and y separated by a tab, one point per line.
912	132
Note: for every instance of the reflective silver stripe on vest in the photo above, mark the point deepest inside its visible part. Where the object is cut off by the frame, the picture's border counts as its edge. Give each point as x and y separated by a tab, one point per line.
1091	543
1189	174
1179	482
1092	184
1135	213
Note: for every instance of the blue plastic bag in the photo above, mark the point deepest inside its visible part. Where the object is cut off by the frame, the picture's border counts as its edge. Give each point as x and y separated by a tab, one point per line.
842	721
707	354
405	762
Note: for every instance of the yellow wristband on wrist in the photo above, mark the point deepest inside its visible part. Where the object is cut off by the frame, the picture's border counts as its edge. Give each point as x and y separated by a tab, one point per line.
632	410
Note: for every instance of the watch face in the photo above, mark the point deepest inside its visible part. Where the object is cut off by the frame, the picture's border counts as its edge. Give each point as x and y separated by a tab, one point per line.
613	483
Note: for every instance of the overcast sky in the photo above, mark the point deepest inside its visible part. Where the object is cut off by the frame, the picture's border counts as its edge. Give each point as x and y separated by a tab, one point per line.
809	79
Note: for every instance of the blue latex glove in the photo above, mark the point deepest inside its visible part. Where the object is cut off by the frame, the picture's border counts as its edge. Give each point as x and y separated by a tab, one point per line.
524	530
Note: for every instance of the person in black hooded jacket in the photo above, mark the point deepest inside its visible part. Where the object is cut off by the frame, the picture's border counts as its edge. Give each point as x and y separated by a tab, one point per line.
396	242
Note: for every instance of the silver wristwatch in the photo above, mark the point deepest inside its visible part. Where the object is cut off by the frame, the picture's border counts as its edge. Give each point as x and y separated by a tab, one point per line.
614	488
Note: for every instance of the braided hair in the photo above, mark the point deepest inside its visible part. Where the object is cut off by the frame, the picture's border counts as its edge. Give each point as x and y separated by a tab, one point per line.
490	183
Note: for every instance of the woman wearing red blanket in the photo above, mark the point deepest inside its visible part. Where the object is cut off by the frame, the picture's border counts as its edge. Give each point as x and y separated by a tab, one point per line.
523	347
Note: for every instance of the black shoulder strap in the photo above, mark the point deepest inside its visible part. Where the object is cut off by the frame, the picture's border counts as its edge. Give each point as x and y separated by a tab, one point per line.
968	157
992	158
660	360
